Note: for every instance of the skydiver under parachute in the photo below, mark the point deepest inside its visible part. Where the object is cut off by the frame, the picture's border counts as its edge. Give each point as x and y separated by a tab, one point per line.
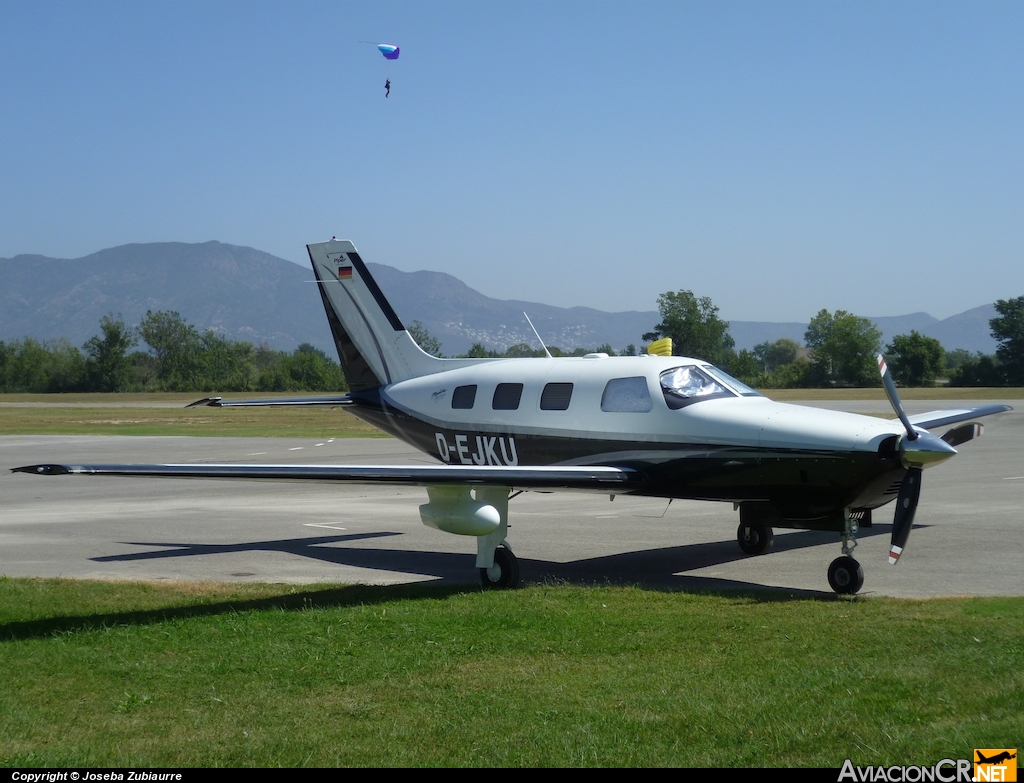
390	52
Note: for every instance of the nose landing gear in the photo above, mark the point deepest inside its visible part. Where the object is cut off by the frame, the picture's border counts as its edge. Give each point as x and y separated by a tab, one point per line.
845	575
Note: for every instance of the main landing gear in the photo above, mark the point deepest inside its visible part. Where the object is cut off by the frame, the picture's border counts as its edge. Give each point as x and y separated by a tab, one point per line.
504	574
755	539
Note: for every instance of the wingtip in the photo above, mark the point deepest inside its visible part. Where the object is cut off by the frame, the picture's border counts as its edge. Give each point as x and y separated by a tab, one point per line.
43	470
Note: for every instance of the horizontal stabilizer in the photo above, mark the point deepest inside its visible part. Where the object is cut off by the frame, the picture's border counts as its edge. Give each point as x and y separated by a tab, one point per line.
281	402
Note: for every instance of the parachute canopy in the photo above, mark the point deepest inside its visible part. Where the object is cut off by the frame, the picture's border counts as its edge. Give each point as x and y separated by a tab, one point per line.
390	51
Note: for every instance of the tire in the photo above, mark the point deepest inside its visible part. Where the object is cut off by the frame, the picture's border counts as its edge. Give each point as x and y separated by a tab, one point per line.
504	574
845	575
755	539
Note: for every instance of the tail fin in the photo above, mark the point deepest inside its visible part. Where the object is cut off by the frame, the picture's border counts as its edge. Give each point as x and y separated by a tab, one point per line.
374	347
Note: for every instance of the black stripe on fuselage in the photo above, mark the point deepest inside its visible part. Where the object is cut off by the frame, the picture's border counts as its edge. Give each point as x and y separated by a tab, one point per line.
801	484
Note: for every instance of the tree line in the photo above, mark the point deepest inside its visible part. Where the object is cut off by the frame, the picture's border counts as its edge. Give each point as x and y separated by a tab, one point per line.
840	349
180	358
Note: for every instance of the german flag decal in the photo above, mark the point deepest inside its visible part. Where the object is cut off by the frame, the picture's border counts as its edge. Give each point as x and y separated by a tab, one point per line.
344	273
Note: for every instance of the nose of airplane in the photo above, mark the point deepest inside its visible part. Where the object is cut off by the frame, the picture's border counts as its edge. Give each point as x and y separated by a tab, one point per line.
925	451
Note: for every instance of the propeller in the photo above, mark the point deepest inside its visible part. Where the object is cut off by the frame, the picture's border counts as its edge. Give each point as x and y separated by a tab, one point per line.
917	449
906	507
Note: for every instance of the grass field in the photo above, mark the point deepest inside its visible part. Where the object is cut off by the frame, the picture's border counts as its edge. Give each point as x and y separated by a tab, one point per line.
165	414
143	674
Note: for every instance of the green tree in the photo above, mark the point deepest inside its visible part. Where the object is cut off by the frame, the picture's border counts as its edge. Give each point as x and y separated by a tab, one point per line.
1008	329
694	326
224	365
776	354
522	350
425	339
30	366
176	345
979	370
915	360
843	348
957	358
313	370
746	367
108	367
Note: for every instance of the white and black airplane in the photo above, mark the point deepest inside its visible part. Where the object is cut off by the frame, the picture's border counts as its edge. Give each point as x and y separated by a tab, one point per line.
656	426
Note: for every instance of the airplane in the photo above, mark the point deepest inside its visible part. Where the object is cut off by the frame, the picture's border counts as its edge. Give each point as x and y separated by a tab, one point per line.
996	759
653	425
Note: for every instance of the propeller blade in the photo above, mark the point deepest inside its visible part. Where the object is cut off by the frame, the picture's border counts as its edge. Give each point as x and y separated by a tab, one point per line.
906	507
894	397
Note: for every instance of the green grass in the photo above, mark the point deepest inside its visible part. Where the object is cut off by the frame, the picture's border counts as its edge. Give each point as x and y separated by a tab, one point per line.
70	415
169	674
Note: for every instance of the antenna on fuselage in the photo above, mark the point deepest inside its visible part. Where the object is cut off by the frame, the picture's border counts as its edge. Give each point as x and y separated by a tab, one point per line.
538	335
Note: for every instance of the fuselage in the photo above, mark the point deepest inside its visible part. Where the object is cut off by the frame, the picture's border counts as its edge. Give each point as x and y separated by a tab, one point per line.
722	442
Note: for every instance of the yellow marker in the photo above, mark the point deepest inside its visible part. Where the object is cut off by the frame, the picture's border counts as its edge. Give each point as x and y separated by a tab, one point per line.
662	347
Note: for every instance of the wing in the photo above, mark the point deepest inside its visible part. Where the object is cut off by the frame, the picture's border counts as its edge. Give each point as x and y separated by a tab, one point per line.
934	419
596	479
219	402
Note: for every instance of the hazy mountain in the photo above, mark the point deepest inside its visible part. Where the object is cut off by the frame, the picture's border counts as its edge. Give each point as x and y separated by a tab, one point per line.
245	294
242	293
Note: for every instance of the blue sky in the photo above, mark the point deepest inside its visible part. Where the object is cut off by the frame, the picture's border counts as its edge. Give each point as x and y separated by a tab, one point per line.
779	157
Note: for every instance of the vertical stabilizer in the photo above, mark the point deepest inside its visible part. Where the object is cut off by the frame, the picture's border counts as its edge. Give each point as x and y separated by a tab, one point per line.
374	347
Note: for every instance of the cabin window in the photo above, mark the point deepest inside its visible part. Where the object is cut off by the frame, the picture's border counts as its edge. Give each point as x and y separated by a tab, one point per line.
507	396
685	385
626	395
556	397
464	396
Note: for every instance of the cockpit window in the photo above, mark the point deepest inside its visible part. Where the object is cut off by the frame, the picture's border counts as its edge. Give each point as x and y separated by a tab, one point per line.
685	385
737	386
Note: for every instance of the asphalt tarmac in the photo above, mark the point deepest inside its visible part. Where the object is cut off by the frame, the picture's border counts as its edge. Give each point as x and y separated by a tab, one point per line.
966	540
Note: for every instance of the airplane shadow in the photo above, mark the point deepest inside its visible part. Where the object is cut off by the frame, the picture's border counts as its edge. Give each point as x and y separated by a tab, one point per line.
454	574
658	569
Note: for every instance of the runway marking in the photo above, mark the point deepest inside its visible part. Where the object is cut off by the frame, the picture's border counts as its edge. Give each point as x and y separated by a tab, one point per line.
330	527
255	453
319	444
1013	478
296	448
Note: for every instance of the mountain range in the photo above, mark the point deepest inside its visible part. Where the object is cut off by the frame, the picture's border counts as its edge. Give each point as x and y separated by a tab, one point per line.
246	294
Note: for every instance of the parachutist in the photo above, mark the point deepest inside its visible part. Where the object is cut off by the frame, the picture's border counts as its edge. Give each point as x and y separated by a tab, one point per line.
387	87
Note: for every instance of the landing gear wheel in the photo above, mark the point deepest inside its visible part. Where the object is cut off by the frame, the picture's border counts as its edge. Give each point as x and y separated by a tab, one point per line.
845	575
755	539
504	574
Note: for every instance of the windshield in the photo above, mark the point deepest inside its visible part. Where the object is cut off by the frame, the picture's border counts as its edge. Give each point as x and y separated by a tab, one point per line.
737	386
685	385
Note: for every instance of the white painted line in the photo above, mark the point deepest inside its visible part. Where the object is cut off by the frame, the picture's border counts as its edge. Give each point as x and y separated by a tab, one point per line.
330	527
319	444
330	440
1013	478
255	453
296	448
